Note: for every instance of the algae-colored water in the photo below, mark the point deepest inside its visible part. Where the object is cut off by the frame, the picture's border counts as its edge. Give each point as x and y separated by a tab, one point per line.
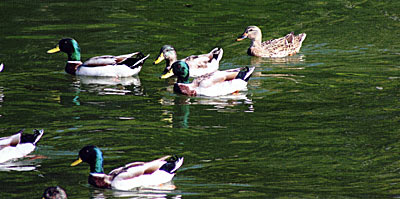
321	124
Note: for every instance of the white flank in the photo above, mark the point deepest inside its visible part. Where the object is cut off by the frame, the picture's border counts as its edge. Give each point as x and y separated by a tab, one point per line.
156	178
18	151
223	88
108	71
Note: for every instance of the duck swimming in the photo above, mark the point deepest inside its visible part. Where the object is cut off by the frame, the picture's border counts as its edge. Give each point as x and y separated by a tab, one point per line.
54	193
212	84
106	65
18	145
198	64
132	175
285	46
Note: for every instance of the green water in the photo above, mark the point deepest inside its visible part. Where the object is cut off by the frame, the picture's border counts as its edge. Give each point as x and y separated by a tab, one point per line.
321	124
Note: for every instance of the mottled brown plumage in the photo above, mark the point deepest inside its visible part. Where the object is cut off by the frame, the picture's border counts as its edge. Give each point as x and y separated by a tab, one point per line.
285	46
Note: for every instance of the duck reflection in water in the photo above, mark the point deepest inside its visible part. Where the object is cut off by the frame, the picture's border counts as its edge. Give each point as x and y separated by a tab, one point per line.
106	86
279	62
22	165
179	117
163	191
266	65
1	96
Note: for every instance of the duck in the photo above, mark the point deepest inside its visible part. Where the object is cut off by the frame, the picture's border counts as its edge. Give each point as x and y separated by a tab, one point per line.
54	193
212	84
1	67
105	66
281	47
132	175
18	145
198	64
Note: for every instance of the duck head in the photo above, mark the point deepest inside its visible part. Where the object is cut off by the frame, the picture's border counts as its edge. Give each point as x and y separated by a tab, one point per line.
168	53
69	46
251	32
54	193
181	70
93	156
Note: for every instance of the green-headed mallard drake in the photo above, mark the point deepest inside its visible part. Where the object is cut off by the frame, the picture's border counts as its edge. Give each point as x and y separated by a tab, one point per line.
198	64
106	66
212	84
18	145
285	46
54	193
132	175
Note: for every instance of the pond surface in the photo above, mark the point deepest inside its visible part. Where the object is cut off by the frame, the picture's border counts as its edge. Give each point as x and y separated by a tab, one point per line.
321	124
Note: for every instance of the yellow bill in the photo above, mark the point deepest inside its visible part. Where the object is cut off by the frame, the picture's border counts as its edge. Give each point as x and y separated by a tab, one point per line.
76	162
54	50
169	74
159	59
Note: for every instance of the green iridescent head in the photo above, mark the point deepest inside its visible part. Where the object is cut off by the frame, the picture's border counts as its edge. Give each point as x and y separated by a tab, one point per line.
93	156
181	70
69	46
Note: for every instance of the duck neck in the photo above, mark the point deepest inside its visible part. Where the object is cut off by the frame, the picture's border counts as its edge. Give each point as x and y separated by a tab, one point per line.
184	80
171	60
76	53
256	42
72	67
97	166
75	56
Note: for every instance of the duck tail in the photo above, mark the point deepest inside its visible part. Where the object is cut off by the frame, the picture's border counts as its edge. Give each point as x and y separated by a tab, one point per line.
290	37
217	54
172	164
302	37
136	61
32	138
245	74
38	134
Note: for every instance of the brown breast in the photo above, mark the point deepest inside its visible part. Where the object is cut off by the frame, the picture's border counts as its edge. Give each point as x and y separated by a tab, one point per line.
99	181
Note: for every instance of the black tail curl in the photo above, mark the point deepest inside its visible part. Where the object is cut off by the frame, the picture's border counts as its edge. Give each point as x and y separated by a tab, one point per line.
170	166
30	138
243	74
135	61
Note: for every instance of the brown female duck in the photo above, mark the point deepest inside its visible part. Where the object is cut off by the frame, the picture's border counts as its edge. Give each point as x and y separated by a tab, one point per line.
281	47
